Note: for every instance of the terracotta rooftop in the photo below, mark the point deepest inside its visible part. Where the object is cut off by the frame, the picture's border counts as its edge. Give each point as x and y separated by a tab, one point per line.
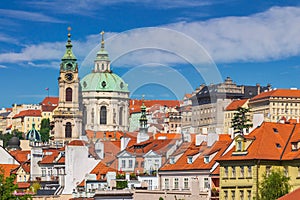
104	134
135	104
270	141
50	101
20	155
292	195
77	143
25	113
277	93
7	168
189	149
235	104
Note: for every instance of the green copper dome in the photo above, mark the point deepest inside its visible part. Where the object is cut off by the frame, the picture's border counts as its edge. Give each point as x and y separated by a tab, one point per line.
103	82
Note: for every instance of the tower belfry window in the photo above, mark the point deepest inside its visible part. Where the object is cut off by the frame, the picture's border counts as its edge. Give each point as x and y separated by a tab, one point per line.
68	130
69	94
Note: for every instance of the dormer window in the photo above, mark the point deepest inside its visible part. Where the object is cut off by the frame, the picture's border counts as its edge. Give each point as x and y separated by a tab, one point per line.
172	160
239	146
206	159
295	146
190	160
275	130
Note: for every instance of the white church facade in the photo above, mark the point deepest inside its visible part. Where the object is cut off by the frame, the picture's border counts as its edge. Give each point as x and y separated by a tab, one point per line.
99	102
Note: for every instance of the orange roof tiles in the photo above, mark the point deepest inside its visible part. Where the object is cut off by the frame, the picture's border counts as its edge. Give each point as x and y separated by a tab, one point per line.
7	168
270	141
23	185
20	155
77	143
50	101
190	149
277	93
31	113
104	134
135	104
292	195
235	104
49	159
188	95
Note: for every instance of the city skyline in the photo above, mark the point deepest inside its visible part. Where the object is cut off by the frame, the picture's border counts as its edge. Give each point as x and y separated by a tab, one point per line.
257	45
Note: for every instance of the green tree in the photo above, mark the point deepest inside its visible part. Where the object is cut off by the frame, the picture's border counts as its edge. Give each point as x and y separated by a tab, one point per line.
240	120
7	188
274	185
45	129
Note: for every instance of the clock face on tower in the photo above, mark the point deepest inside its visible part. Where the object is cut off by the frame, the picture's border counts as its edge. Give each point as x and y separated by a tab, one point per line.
69	76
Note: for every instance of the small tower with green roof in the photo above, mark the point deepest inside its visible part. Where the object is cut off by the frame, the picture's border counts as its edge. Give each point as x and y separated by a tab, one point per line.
67	116
143	131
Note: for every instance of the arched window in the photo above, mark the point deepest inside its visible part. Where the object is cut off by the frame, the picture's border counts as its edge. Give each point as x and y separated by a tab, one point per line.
68	130
103	115
69	94
121	116
92	116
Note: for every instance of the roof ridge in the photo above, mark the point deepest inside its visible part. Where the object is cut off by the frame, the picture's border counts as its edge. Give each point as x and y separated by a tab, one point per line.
287	142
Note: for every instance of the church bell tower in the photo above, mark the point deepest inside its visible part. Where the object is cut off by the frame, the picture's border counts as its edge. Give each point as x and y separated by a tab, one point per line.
67	115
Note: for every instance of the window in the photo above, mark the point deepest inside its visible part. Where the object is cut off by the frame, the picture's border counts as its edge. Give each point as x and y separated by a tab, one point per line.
286	171
206	183
233	195
43	171
226	171
249	194
166	184
249	171
121	116
242	171
268	169
92	115
298	171
130	164
123	164
68	130
239	146
233	172
69	94
186	183
103	115
176	183
206	159
241	195
190	160
225	195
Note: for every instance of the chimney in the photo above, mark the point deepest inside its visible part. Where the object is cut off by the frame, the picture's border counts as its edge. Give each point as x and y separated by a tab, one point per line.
258	88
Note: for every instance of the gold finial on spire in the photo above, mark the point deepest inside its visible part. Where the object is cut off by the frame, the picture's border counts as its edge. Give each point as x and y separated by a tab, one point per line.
69	31
102	41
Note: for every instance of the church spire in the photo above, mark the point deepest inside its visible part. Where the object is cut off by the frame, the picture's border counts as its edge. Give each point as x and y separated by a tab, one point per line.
143	118
102	62
69	53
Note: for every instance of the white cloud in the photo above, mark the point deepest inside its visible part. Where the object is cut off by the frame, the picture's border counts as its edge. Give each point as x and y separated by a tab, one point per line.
30	16
271	35
3	67
86	7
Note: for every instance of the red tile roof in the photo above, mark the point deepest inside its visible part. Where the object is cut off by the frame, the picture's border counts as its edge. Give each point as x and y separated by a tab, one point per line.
20	155
190	149
292	195
104	134
270	141
188	95
77	143
49	159
277	93
23	185
31	113
135	104
7	168
235	104
50	101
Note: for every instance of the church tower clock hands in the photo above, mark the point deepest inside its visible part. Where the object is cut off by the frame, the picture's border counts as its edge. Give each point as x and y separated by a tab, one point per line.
67	115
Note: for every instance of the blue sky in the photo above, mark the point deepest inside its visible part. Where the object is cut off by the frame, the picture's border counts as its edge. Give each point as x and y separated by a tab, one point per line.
250	41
